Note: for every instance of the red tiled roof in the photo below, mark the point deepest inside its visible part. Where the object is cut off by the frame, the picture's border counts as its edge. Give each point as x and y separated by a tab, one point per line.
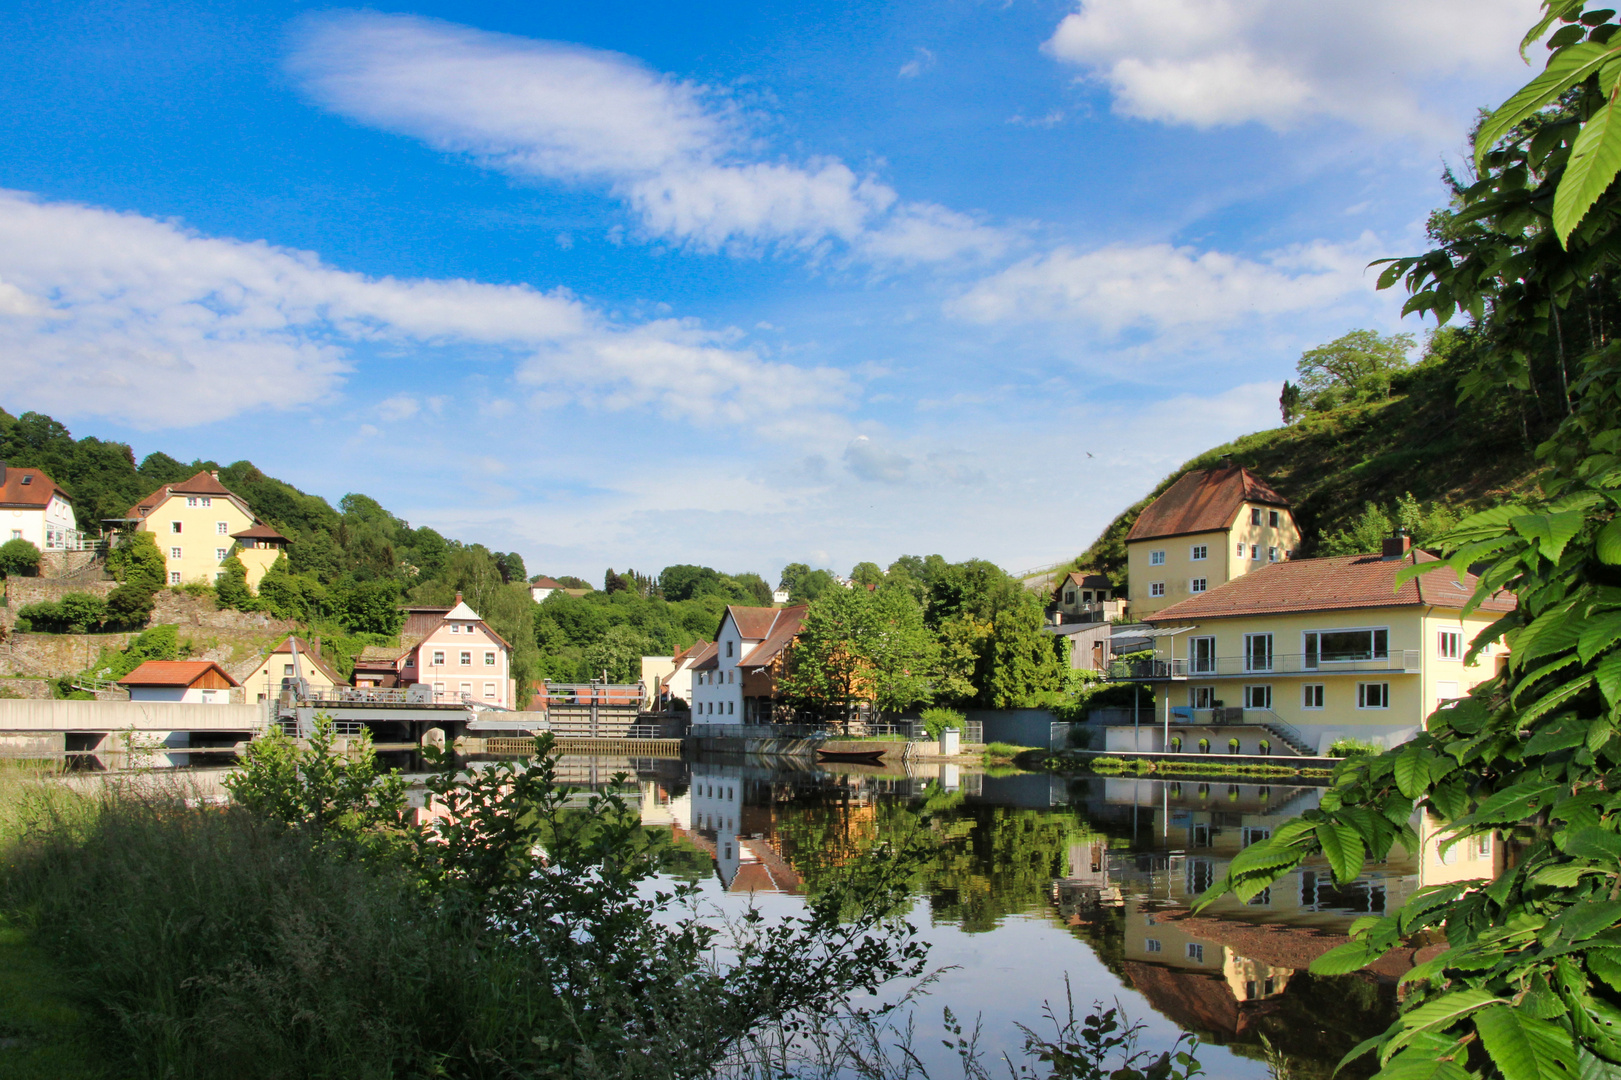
203	483
1204	501
690	650
35	493
258	532
784	628
705	656
1085	581
1339	583
173	673
545	583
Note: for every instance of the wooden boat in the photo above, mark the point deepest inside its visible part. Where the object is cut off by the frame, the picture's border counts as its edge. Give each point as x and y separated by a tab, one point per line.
857	757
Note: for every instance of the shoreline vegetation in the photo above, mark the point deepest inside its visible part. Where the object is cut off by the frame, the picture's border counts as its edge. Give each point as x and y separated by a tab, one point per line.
311	926
1074	762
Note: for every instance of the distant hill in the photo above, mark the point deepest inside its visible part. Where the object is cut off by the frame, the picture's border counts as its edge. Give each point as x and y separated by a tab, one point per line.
1331	463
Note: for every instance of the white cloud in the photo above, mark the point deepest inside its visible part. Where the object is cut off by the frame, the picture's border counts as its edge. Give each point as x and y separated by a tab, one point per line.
117	314
679	154
1165	287
922	60
867	460
1388	65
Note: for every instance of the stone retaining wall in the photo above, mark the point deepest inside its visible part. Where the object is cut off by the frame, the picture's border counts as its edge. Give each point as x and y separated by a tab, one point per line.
200	611
51	656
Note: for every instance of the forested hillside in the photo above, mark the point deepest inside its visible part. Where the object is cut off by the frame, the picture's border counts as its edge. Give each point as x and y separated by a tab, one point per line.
1355	446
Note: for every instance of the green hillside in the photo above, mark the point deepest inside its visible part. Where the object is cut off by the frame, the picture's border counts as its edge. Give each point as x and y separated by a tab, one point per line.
1421	440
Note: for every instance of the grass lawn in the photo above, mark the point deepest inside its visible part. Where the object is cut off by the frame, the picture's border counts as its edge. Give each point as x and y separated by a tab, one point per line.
41	1034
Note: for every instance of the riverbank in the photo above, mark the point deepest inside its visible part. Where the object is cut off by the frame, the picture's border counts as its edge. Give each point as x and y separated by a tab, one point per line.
1106	763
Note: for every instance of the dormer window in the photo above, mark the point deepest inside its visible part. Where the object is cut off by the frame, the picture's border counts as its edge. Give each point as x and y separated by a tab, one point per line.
28	478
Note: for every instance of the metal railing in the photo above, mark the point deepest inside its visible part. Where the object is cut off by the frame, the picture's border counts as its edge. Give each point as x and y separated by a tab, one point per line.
1397	662
372	695
757	731
1238	717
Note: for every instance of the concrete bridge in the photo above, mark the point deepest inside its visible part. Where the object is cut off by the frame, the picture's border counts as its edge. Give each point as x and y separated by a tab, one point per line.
55	726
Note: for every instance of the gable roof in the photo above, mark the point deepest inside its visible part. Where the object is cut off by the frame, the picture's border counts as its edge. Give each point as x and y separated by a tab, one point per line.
689	652
705	656
203	482
1340	583
258	532
460	613
307	655
173	673
1084	581
773	628
1203	501
28	488
544	582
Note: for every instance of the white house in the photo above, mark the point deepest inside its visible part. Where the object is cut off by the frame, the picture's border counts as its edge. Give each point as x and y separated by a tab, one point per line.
192	682
542	587
737	682
34	508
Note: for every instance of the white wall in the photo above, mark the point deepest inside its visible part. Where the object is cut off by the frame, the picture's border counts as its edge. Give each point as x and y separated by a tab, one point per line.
717	695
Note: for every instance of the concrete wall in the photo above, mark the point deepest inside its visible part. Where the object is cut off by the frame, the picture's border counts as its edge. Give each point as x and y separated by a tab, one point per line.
1021	727
43	716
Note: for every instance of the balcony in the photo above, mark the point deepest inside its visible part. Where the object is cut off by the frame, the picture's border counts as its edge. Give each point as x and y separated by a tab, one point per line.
1398	662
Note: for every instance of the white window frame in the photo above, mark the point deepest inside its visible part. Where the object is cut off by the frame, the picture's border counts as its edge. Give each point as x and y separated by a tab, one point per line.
1255	553
223	528
1198	584
1156	558
1156	588
1313	692
1152	945
1271	554
1195	952
1315	665
489	658
1254	693
1199	552
1362	695
191	501
174	577
1274	519
438	658
1449	644
221	554
466	658
1241	549
1201	665
1249	653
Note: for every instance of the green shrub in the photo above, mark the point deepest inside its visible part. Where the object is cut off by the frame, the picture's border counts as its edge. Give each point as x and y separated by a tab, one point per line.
1352	748
18	557
937	720
137	562
231	587
75	613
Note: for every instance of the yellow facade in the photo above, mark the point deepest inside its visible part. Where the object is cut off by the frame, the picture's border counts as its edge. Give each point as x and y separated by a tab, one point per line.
194	534
1193	563
1225	663
258	560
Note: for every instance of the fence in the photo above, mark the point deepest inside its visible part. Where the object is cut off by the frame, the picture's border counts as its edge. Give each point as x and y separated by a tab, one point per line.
1398	661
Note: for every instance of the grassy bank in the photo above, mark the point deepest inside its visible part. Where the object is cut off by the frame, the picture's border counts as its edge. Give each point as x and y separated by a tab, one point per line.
1194	766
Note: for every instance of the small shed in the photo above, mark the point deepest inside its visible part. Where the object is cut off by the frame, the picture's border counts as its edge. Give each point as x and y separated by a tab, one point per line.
193	682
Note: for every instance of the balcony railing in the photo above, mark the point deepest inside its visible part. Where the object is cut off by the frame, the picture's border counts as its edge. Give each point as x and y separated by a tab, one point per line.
1398	662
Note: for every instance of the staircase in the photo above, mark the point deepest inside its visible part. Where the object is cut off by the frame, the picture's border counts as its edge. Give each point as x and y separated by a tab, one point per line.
1286	732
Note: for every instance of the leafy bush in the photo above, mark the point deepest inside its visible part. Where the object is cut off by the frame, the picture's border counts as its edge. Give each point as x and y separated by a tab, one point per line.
75	613
231	586
18	557
937	720
136	561
1345	748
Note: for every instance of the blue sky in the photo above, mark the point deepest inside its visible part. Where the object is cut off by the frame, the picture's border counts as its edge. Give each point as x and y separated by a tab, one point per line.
633	284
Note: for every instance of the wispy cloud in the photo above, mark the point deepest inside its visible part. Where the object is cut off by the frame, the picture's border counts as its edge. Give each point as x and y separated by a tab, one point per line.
921	61
680	155
1391	66
116	314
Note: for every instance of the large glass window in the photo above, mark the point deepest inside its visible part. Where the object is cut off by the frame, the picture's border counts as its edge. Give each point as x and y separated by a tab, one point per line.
1257	652
1312	695
1346	646
1373	695
1451	644
1257	697
1203	697
1202	655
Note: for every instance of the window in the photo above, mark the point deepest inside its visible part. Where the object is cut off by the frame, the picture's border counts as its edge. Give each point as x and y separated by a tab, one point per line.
16	534
1254	834
1273	518
1156	558
438	659
1311	696
729	708
489	659
287	671
174	577
1202	655
1257	697
191	502
1255	515
1346	646
1069	597
1240	549
1483	846
223	528
1271	554
1151	945
467	689
1198	585
174	526
455	628
220	553
489	689
467	659
1200	552
728	648
1202	697
1255	552
1450	645
1156	589
1373	695
174	553
1257	652
1196	952
1446	692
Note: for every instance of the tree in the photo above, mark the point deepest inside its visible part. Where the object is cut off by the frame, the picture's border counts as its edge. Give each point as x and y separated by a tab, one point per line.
791	575
860	646
510	563
136	561
75	613
807	587
18	557
1289	402
867	573
618	653
370	607
684	581
1360	363
612	582
129	606
231	585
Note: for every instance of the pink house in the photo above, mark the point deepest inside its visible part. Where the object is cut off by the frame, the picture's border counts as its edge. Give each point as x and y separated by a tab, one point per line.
461	658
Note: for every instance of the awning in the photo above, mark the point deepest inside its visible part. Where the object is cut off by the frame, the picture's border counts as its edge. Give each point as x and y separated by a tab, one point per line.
1127	633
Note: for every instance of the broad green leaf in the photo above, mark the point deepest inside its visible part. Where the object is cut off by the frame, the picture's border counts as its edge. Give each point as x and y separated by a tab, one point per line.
1606	964
1608	674
1556	10
1598	634
1581	921
1425	900
1594	843
1352	956
1412	772
1554	630
1563	877
1342	846
1548	704
1594	160
1608	545
1263	856
1524	1048
1443	1012
1426	1063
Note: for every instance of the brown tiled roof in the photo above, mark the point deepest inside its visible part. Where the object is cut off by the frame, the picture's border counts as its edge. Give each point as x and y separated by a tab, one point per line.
779	635
203	483
753	623
1203	501
704	658
36	492
544	582
1338	583
1084	581
173	673
307	655
689	650
258	532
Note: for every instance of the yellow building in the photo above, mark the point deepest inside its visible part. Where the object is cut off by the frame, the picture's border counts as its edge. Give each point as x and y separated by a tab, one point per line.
197	522
283	664
1300	654
1208	528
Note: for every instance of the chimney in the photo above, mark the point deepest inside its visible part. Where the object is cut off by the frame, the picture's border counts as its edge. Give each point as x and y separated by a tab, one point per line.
315	645
458	598
1398	545
215	473
2	472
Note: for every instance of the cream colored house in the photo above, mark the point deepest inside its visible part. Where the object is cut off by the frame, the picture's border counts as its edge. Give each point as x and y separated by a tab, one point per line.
1298	654
1208	528
34	508
197	522
283	664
